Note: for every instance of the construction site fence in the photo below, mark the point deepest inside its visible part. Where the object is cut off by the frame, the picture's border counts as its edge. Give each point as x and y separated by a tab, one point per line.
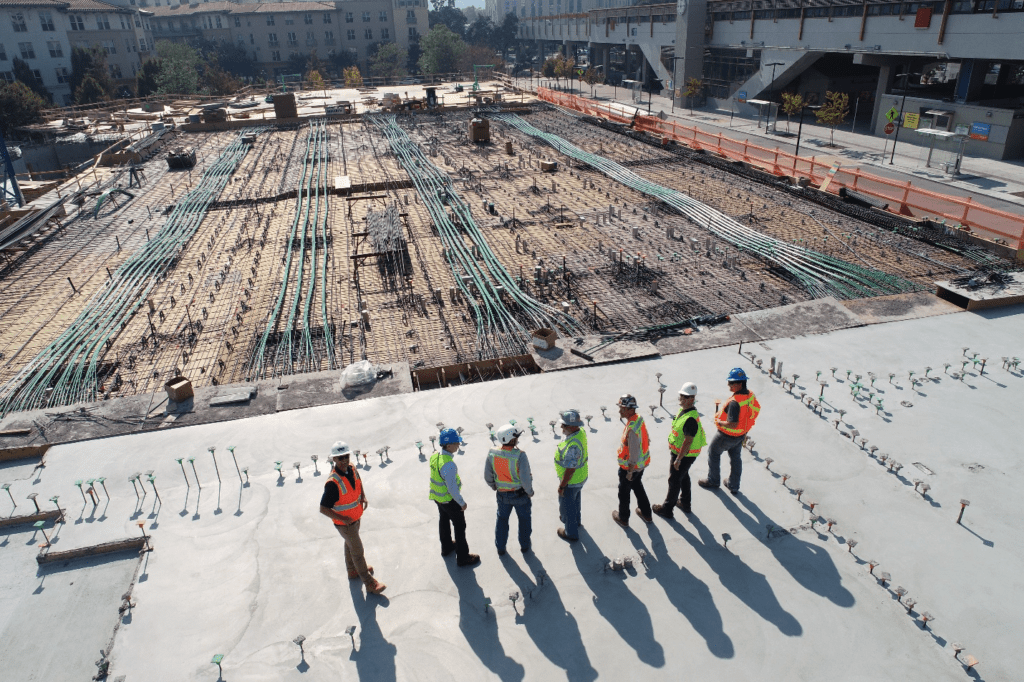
902	197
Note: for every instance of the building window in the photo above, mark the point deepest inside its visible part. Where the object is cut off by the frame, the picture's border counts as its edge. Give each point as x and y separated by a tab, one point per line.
349	17
115	71
366	17
272	37
63	76
385	34
238	22
410	16
289	21
270	20
18	22
102	22
252	39
413	34
7	76
54	47
292	40
310	40
275	56
124	26
38	76
3	53
27	52
351	34
329	37
142	45
308	18
217	18
327	18
368	34
383	16
129	45
46	21
77	22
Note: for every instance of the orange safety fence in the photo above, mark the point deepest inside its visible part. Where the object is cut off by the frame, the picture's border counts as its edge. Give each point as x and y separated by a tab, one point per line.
902	196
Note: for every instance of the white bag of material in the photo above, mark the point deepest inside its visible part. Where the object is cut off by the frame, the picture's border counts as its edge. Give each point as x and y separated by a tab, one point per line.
358	374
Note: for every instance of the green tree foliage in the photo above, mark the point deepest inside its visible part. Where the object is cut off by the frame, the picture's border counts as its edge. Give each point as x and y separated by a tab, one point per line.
145	79
23	73
180	66
90	63
481	32
217	81
550	67
315	81
353	79
412	64
231	57
792	103
19	106
593	77
90	92
506	34
451	17
694	86
441	49
833	112
339	61
388	61
314	63
565	68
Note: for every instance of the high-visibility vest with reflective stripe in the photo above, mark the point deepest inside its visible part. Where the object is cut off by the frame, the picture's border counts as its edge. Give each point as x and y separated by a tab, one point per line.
580	474
749	409
438	488
349	505
506	470
637	426
676	438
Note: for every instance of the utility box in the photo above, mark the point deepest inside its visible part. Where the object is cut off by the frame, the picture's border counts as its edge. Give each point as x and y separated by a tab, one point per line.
284	105
508	147
544	338
549	166
479	130
179	389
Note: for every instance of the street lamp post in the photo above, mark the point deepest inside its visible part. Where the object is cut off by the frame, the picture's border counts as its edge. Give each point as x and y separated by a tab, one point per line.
899	123
771	93
800	127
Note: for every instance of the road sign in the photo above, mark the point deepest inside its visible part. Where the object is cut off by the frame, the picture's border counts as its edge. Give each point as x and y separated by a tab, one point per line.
890	128
892	115
741	96
912	121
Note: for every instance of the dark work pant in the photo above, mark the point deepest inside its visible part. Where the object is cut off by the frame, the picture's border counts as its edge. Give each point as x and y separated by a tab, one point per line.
679	483
636	486
734	446
450	515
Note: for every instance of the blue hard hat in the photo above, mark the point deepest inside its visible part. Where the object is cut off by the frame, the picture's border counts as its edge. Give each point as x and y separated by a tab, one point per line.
449	436
737	374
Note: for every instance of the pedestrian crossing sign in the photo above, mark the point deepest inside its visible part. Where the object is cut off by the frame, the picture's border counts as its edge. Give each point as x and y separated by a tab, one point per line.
892	114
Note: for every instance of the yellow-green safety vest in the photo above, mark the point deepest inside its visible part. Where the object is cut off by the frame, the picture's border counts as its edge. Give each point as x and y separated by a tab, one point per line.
438	488
580	475
676	438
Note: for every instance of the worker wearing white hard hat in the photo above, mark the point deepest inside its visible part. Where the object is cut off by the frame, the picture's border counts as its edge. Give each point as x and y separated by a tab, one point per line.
507	472
343	502
684	443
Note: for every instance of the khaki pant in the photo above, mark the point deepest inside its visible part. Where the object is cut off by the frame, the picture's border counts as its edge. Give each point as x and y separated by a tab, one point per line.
354	560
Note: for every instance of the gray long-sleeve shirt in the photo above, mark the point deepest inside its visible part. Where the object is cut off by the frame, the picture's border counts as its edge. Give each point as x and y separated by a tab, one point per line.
525	476
450	472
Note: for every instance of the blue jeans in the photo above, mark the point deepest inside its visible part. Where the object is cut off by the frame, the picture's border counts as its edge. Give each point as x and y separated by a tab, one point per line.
569	509
522	504
733	445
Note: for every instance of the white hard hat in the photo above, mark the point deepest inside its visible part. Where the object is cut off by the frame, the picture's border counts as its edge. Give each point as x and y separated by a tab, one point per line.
340	448
688	389
507	433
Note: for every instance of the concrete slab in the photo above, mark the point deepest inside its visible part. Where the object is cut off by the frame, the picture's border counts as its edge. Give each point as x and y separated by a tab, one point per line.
984	295
799	319
728	333
900	307
561	356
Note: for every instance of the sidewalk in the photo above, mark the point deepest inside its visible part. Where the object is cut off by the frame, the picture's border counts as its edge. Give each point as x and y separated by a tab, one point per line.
998	184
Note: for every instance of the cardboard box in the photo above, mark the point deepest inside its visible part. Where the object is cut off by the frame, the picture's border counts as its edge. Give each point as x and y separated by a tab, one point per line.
544	339
179	389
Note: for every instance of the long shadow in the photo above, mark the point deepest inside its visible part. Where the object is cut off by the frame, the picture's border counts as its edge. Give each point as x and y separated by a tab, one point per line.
480	626
616	603
751	587
810	565
689	595
375	657
553	629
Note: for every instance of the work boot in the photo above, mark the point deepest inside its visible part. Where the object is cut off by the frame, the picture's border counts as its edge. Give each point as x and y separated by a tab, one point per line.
686	510
705	483
470	560
624	524
446	552
647	518
663	510
735	492
376	587
354	575
501	552
562	534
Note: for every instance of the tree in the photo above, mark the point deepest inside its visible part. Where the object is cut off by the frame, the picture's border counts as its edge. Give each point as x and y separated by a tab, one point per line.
549	69
316	81
480	56
693	88
90	62
448	16
412	63
90	91
353	79
593	77
792	103
565	68
339	61
506	34
218	81
19	106
833	112
145	80
441	50
296	64
314	63
23	73
388	61
481	32
232	57
179	69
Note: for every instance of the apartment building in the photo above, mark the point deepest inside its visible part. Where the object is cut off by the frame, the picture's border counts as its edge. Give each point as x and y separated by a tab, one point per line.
43	33
272	33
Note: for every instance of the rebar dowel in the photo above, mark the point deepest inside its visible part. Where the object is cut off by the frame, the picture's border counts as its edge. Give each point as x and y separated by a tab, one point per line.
231	449
179	460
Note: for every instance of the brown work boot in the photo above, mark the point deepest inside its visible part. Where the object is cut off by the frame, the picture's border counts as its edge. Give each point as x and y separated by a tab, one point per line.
647	518
376	587
470	560
354	575
562	534
662	510
705	483
624	524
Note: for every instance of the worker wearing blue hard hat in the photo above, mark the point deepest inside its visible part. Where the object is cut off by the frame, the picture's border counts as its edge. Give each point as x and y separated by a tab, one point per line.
733	422
446	492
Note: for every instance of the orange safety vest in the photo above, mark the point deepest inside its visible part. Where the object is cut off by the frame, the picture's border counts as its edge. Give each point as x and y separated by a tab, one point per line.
350	499
636	424
506	469
749	409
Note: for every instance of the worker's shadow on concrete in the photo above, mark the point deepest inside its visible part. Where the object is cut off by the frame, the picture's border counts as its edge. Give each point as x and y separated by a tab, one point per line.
479	626
614	600
375	657
809	564
553	629
751	587
688	594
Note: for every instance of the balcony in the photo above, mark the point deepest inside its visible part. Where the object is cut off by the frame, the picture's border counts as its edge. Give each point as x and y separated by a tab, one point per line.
293	43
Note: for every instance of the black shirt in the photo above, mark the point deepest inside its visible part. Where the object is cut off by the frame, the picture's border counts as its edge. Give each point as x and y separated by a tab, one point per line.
732	410
690	428
331	492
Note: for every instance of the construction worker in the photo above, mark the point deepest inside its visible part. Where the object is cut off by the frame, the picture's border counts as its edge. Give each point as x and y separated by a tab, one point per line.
634	456
684	443
733	422
343	503
446	491
507	471
571	468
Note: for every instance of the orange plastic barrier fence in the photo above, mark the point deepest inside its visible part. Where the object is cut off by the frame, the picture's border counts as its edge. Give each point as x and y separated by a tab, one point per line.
903	198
